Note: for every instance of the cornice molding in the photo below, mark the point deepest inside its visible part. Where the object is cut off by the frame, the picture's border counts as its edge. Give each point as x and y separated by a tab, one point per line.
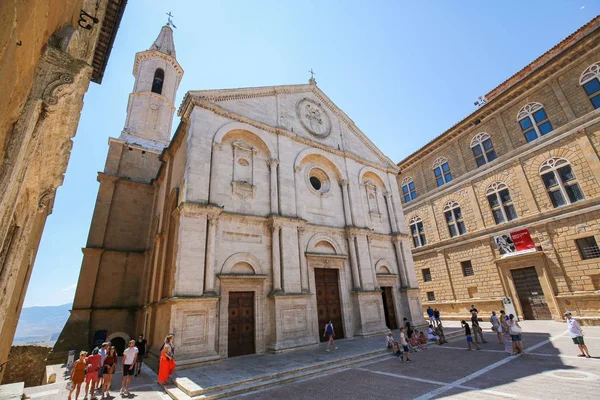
146	55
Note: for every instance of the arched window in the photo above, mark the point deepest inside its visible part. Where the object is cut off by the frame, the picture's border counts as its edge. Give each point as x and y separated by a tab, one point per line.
560	181
501	203
533	121
483	149
454	219
441	170
157	82
590	80
417	231
408	189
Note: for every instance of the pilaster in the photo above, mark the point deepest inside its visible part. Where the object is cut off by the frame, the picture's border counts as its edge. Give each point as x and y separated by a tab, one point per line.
102	210
273	164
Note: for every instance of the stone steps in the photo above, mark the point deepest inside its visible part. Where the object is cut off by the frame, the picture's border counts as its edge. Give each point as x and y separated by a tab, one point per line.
180	392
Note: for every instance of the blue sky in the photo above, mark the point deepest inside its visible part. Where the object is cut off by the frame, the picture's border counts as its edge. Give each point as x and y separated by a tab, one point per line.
403	71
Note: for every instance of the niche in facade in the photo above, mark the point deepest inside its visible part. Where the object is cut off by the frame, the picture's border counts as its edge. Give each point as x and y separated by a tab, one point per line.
243	170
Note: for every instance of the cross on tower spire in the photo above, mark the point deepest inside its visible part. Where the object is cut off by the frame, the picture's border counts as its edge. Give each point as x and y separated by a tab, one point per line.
169	20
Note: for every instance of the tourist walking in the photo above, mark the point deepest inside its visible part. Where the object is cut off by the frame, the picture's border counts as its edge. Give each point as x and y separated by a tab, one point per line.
577	335
436	316
478	332
404	344
78	374
474	313
508	346
141	346
516	335
91	375
495	321
430	314
110	363
129	360
330	334
103	352
469	336
167	360
408	326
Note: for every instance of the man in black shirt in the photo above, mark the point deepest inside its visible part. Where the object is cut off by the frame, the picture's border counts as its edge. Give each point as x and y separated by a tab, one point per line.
141	346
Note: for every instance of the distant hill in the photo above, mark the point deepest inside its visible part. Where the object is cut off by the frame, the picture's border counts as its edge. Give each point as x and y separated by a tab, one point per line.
41	325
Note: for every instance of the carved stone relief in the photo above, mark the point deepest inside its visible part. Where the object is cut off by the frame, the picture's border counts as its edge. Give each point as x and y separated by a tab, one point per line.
313	118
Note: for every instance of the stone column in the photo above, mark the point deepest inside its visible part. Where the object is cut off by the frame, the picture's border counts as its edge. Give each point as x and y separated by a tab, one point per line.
303	267
347	213
273	163
401	263
276	258
391	214
353	262
209	276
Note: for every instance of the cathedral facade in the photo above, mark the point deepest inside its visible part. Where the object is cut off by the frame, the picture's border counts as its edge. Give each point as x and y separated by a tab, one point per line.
267	214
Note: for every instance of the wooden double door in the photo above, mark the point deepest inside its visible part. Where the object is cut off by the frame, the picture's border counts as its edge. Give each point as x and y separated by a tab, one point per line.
240	337
388	308
328	301
531	294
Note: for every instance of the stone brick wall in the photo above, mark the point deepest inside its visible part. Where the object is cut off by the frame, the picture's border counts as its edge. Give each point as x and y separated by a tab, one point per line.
27	364
573	282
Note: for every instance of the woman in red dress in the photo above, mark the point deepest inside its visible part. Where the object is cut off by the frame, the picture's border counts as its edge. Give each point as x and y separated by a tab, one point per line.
167	360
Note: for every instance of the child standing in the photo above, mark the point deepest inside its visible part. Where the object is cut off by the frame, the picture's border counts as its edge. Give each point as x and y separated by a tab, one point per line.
468	335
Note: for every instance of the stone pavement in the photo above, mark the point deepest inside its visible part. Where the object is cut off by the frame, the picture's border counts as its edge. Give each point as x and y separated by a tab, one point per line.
360	369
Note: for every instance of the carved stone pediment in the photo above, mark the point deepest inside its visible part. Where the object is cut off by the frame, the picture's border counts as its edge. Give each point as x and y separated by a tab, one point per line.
243	190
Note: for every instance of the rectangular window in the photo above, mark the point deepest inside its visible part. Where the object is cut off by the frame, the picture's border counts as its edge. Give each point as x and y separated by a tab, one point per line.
442	174
409	192
418	233
592	89
430	296
467	268
588	248
454	219
502	206
472	292
535	125
426	275
562	186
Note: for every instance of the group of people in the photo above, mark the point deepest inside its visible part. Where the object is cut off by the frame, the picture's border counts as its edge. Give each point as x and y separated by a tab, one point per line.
411	339
507	328
98	368
434	316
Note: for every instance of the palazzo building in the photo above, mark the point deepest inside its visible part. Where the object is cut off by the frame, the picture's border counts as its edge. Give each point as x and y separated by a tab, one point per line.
504	207
267	214
50	51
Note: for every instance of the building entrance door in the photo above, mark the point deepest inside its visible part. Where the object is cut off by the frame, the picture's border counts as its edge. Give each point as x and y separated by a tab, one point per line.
388	308
328	301
531	295
240	339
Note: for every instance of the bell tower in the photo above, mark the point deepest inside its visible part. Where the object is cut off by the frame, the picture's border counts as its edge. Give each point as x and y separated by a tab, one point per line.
151	104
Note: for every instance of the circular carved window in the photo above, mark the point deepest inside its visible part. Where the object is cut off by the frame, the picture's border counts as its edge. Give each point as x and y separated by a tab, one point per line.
318	181
313	118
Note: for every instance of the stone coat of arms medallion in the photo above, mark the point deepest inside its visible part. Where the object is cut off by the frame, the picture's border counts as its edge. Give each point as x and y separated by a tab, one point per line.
313	118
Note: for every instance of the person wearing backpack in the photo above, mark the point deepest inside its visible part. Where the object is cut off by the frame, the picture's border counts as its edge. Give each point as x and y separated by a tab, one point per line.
329	332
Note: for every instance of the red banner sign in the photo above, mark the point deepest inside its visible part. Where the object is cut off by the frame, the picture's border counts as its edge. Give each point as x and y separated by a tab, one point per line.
515	242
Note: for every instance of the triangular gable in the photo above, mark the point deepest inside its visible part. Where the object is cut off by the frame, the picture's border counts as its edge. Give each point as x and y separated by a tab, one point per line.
277	107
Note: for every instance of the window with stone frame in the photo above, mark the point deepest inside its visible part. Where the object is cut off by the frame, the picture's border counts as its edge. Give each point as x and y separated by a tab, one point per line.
244	157
417	231
560	181
483	149
590	80
441	171
533	121
467	268
157	81
426	274
500	202
408	189
454	219
372	200
588	248
430	296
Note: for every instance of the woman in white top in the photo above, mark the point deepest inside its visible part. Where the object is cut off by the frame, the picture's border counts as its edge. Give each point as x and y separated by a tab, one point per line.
496	326
516	335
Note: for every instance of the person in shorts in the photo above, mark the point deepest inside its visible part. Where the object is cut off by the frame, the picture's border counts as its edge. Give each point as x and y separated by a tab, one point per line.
129	359
577	335
91	376
436	315
430	314
469	336
141	346
330	333
404	343
103	351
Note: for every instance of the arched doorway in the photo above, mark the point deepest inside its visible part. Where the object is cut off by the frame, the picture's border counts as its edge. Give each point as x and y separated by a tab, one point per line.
119	344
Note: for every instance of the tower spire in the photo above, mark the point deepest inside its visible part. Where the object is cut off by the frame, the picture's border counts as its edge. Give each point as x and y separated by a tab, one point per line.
164	42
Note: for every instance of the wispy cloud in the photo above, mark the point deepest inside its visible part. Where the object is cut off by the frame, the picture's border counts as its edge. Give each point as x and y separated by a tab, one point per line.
70	288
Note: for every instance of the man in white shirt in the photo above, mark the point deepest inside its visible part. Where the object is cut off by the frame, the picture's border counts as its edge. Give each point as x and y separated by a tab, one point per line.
577	335
129	360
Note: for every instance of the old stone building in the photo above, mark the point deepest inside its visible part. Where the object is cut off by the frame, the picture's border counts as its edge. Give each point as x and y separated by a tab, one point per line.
49	53
267	214
505	205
